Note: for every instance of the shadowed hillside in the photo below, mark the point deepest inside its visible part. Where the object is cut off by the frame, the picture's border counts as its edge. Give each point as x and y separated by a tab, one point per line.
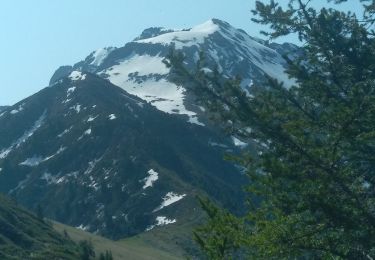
24	236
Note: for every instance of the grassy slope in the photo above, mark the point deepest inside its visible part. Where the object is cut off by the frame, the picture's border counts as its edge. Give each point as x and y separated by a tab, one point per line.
24	236
133	248
167	242
176	238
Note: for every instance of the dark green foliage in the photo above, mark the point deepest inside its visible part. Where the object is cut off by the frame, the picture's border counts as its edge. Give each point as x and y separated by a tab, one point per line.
220	237
66	235
312	181
39	212
106	256
87	250
24	236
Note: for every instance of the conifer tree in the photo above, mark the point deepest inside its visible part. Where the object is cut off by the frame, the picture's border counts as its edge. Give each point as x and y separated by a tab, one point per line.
39	212
87	250
311	192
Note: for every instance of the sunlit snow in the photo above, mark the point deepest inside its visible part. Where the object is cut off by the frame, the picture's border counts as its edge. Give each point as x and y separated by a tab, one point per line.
164	95
100	55
3	113
169	199
87	132
112	117
36	160
64	132
33	161
186	38
238	142
70	91
150	179
17	110
77	108
91	118
77	75
161	221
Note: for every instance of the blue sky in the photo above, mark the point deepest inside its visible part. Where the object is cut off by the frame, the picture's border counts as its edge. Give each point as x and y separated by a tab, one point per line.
40	35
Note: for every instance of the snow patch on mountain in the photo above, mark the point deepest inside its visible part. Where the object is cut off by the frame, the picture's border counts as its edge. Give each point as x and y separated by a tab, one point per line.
77	75
238	142
61	149
112	117
164	95
36	160
100	55
185	38
38	123
193	119
17	110
169	199
141	65
77	108
3	113
66	101
82	227
265	58
70	91
91	118
33	161
88	132
152	177
66	177
245	47
65	132
161	221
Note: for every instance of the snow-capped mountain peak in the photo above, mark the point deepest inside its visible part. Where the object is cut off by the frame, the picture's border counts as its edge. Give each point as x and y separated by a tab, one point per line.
138	66
185	38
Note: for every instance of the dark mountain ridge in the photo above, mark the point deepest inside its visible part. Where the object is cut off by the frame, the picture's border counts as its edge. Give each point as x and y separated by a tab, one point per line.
115	164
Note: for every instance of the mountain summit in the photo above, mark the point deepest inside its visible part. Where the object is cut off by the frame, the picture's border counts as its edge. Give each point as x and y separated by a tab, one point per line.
138	67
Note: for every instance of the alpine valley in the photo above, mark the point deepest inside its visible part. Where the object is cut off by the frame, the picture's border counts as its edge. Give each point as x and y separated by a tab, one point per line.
114	147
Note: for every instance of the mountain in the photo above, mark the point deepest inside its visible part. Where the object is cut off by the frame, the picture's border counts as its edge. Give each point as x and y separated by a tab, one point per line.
24	236
138	66
114	147
100	159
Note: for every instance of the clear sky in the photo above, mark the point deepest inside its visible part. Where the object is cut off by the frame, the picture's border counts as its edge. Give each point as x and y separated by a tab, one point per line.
37	36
